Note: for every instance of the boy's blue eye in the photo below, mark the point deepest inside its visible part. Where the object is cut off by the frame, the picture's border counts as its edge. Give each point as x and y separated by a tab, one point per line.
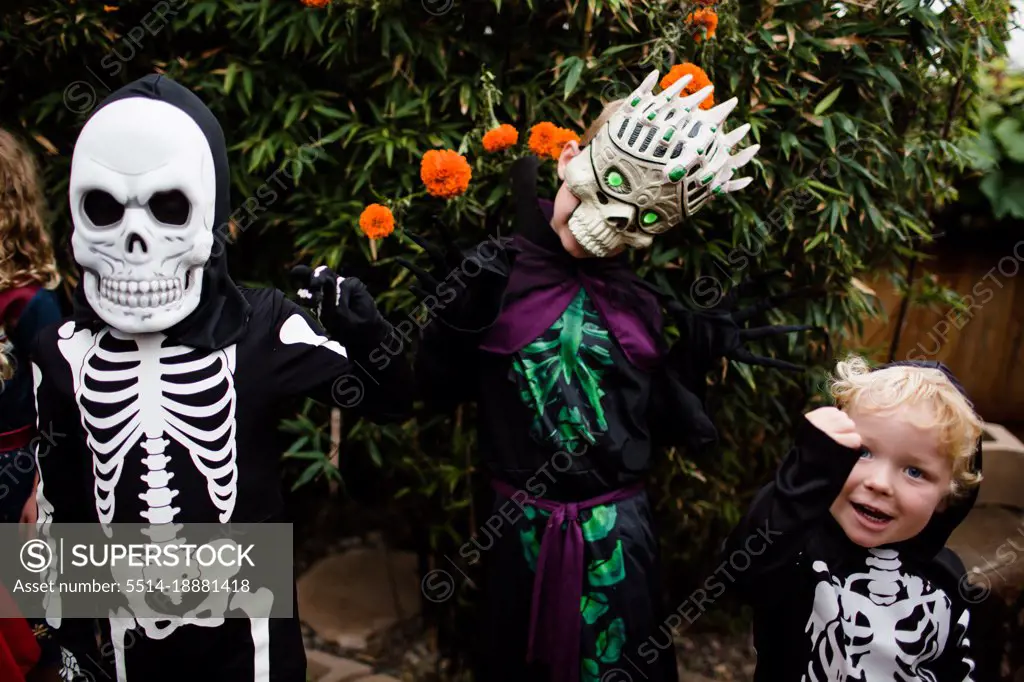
865	453
914	472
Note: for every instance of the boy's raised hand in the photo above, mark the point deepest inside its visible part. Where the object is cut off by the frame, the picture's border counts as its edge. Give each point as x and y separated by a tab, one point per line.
837	424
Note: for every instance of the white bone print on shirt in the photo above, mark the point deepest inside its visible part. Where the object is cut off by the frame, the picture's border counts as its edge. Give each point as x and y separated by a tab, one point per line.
878	625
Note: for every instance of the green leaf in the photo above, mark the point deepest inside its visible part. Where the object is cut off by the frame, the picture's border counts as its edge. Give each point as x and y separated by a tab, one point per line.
308	475
889	78
593	606
818	239
247	84
830	133
824	104
610	571
590	670
573	75
601	522
611	641
1010	133
825	188
375	453
229	77
293	113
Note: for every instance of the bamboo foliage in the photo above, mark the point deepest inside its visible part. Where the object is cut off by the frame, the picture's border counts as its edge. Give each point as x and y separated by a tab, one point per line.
858	106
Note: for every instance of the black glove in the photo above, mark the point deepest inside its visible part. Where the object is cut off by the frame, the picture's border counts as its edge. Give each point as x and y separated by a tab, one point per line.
344	305
716	332
464	289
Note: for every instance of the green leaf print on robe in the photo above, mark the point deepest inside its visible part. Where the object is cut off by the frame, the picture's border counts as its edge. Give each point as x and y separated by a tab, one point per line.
559	377
600	523
607	572
593	606
609	642
610	639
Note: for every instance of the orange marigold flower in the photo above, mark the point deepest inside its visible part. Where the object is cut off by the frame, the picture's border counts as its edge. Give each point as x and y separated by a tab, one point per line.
563	136
540	137
316	3
706	3
699	82
547	139
377	221
502	137
446	173
110	8
706	19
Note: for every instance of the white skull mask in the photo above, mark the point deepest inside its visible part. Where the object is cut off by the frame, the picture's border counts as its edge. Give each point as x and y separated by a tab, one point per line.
657	160
142	193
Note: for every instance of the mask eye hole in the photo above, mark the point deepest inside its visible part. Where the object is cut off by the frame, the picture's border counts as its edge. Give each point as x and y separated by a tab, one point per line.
170	208
616	181
652	222
602	197
102	209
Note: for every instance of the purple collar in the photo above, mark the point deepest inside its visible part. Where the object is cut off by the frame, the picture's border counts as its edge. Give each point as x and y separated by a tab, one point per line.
545	279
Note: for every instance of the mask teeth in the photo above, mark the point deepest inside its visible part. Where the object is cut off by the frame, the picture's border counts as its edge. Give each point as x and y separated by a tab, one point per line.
148	293
588	241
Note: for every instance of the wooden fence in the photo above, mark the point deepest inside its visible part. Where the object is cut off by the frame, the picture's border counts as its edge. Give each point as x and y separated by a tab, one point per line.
983	346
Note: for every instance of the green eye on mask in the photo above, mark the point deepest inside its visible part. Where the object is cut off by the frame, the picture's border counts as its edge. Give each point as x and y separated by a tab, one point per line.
615	179
649	218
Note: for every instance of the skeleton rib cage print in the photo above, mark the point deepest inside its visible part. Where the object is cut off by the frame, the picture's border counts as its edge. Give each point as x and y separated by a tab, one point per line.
161	434
141	391
881	624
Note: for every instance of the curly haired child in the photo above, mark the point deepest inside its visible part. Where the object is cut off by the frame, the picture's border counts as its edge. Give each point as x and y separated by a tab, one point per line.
843	556
28	303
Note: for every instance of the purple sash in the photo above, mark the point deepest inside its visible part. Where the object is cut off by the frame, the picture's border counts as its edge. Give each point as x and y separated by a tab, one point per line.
559	581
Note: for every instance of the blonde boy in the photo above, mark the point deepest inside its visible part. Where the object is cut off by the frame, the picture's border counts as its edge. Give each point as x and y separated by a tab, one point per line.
855	582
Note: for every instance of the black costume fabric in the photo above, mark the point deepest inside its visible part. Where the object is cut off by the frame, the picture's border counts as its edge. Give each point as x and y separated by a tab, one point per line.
216	384
826	609
565	417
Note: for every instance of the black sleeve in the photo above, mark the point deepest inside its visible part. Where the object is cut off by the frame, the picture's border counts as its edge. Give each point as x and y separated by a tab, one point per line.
61	496
447	364
677	415
959	660
446	367
693	355
370	375
787	511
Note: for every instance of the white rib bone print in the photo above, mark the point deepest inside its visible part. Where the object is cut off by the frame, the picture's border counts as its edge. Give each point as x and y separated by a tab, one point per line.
135	390
882	624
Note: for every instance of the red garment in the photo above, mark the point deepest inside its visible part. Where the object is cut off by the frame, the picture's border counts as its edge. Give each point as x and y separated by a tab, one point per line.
19	651
13	301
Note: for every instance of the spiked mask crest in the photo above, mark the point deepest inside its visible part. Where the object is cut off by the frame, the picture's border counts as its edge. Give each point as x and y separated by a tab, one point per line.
658	160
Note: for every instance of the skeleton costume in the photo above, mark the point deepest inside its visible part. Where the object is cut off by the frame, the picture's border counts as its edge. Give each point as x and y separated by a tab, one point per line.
166	388
575	388
827	610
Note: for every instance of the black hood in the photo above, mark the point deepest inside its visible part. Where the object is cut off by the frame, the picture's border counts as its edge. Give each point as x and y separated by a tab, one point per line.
933	538
222	314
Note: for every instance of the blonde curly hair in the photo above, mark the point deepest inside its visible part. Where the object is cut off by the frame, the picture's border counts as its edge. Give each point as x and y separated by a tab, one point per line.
26	252
856	384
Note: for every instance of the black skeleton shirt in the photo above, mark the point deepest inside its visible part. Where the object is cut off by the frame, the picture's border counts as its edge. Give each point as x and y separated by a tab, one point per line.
182	426
827	610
